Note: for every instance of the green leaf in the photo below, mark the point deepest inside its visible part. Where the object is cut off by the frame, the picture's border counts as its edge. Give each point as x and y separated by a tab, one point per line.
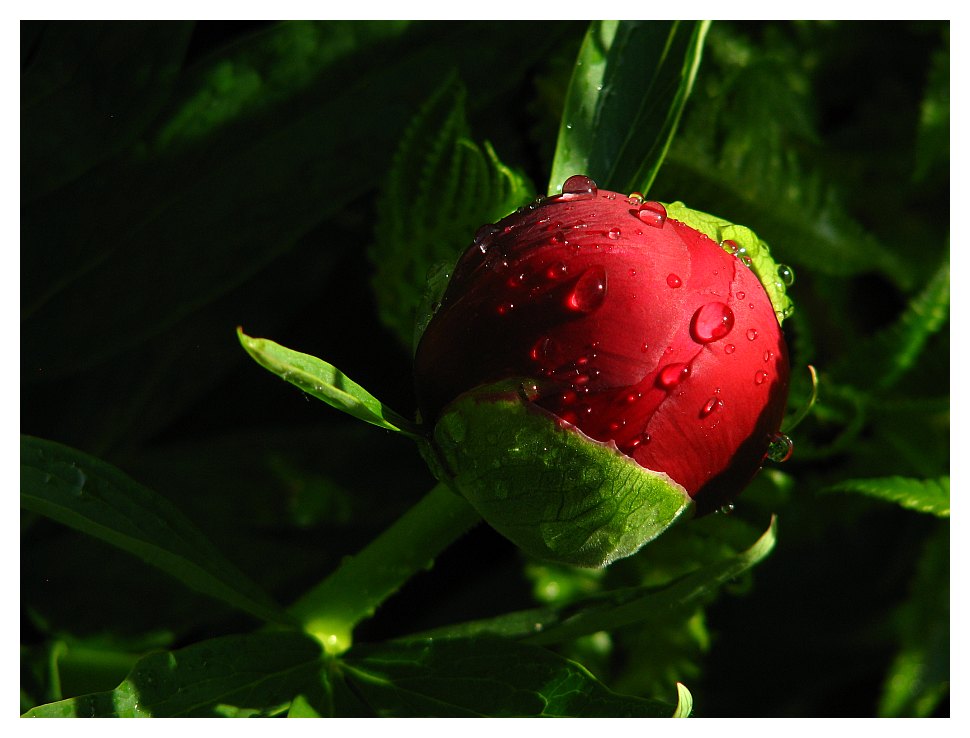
96	498
933	135
889	354
550	489
616	608
923	495
919	677
685	702
231	676
441	187
483	677
325	382
628	90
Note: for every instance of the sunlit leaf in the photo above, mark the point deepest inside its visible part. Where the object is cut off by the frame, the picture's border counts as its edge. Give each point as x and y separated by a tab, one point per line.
628	90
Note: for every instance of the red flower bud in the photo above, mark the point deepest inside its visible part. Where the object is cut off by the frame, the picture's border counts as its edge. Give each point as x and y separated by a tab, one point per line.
637	328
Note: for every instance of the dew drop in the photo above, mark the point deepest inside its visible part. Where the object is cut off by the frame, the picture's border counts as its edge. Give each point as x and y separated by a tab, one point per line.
786	275
726	509
589	291
645	438
740	295
578	187
644	346
614	233
568	397
633	272
672	375
505	308
632	397
540	349
713	404
730	246
653	214
482	233
615	425
780	448
711	322
729	349
673	281
556	271
751	334
768	356
634	198
760	376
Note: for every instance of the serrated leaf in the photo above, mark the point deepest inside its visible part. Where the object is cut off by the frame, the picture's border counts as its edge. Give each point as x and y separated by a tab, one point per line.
889	354
475	677
96	498
441	187
628	90
923	495
232	676
325	382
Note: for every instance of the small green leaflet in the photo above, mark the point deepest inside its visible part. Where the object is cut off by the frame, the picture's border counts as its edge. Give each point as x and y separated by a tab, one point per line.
923	495
624	102
325	382
685	702
441	188
99	500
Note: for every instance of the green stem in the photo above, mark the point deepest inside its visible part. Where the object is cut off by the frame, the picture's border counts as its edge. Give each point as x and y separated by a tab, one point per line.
330	610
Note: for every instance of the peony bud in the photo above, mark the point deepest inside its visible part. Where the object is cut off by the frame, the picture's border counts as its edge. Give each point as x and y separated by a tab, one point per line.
597	367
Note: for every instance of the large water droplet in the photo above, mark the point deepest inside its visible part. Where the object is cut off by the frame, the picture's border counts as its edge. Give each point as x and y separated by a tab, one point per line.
786	275
672	375
589	291
578	187
653	214
673	281
780	448
711	322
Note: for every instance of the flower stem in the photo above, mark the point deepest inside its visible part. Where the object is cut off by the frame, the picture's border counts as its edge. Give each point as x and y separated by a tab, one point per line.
330	611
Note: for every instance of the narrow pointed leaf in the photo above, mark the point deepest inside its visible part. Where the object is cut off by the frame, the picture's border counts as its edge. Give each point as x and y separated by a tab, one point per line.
99	500
325	382
625	99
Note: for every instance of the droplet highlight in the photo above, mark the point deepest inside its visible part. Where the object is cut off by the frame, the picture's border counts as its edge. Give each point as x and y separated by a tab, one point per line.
711	322
589	291
711	406
652	214
780	448
786	275
578	187
672	375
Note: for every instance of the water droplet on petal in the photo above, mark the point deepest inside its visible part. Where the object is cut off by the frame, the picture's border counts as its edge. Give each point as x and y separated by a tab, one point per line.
578	187
644	346
760	376
740	295
632	397
482	233
634	198
653	214
614	233
505	308
729	349
711	322
589	291
751	334
768	356
540	349
710	406
673	281
556	271
786	275
568	397
730	246
672	375
780	448
726	509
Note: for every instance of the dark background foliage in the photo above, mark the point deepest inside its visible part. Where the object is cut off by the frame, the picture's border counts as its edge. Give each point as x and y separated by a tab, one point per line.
179	180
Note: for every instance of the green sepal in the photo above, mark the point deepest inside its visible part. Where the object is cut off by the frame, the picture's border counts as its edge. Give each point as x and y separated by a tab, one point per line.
545	485
762	263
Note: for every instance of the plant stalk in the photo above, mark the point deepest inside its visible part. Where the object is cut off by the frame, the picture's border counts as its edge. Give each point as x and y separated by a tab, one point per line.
330	611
